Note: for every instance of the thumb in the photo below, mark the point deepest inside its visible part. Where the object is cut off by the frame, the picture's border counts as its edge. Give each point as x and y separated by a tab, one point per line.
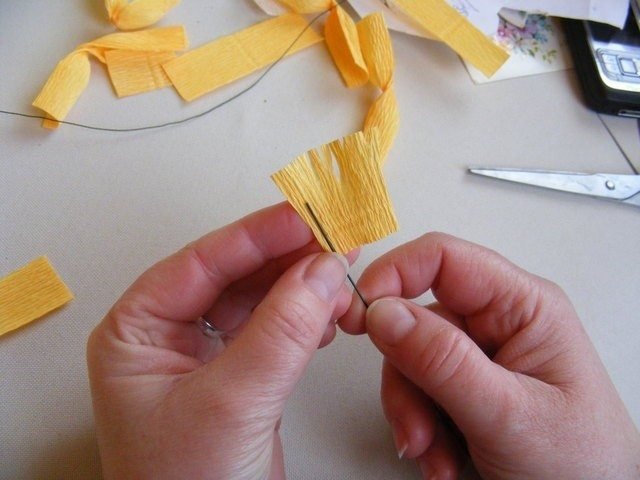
444	362
285	330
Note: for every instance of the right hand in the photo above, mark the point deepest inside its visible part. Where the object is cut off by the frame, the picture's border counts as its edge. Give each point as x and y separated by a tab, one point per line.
503	353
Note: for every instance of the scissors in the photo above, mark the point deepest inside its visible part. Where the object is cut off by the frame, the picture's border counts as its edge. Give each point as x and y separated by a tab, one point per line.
620	188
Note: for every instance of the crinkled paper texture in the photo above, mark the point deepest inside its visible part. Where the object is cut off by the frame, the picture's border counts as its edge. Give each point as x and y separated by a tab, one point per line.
343	185
342	39
229	58
134	72
445	23
29	293
71	75
135	14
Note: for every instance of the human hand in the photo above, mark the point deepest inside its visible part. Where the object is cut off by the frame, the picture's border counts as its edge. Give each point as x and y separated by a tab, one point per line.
170	402
503	353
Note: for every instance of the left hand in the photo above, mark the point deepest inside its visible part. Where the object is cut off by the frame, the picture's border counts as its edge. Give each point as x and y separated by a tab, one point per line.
171	402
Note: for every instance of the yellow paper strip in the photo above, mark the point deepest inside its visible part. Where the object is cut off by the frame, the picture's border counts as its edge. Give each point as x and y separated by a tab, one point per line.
65	85
131	15
444	21
71	75
137	72
342	39
229	58
384	115
352	206
29	293
308	6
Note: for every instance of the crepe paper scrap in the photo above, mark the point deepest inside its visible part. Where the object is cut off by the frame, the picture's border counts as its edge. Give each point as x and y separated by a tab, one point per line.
50	123
132	15
383	116
342	40
229	58
309	6
353	206
442	20
137	72
71	75
29	293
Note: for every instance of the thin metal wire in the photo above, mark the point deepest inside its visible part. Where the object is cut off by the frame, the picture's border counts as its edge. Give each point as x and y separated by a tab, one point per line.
192	117
333	249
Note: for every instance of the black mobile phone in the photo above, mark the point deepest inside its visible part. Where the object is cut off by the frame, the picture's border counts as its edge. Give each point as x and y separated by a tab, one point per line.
607	62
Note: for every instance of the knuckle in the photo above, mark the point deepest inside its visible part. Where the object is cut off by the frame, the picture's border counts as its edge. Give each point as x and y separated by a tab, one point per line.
445	358
292	319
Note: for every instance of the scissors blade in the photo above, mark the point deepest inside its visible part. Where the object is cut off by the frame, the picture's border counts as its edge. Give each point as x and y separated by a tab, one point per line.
601	185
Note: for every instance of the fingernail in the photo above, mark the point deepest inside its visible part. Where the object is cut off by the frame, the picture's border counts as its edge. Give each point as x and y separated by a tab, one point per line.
399	438
326	274
389	320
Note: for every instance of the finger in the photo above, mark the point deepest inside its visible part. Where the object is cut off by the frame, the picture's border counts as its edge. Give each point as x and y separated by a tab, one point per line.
237	301
284	331
496	298
444	362
443	459
185	285
409	411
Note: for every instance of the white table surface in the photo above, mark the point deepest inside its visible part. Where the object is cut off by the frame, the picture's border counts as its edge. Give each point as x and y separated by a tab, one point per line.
105	206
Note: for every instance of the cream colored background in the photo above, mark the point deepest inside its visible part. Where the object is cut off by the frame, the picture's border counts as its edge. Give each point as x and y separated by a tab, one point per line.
105	206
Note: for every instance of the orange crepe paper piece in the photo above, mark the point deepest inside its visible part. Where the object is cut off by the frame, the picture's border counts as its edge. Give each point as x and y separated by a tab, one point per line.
137	72
445	23
229	58
132	15
71	75
342	40
29	293
353	207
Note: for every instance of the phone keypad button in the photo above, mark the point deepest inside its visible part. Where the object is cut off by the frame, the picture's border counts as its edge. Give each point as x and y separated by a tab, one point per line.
628	66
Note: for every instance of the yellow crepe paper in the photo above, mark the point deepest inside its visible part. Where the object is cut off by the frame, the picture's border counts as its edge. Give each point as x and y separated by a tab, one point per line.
131	15
444	21
341	36
229	58
308	6
29	293
136	72
71	75
377	51
353	206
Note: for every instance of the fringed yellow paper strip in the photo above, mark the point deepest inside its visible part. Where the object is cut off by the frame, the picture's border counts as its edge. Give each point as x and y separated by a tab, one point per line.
137	72
442	20
29	293
342	39
229	58
353	206
71	75
132	15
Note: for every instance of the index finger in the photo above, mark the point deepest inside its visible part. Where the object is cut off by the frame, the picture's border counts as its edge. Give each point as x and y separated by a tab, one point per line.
467	279
185	285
